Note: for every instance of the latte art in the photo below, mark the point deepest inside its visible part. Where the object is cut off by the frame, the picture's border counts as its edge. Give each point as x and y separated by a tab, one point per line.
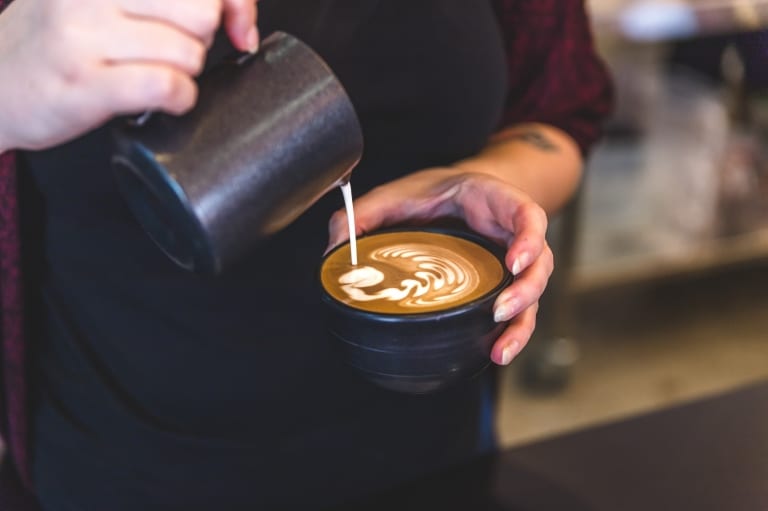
411	272
434	280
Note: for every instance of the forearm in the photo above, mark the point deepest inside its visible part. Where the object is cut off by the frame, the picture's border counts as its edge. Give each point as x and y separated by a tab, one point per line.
539	159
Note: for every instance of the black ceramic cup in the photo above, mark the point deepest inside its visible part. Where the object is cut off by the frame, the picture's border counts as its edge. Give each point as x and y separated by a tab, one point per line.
417	352
270	134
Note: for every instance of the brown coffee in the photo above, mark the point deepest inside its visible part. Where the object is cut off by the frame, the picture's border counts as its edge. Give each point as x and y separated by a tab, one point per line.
410	272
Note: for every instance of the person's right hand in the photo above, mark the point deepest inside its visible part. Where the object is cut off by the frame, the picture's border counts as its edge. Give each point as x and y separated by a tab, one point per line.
68	66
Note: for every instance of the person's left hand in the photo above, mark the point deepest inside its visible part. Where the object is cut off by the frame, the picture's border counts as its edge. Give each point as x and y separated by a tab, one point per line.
488	205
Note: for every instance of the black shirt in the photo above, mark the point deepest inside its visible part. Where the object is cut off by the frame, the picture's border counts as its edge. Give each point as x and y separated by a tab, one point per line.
159	389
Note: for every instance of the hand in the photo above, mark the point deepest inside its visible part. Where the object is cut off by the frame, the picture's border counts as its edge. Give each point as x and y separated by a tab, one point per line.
68	66
491	207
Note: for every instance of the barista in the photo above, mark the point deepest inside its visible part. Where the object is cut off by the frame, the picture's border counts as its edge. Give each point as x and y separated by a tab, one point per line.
158	389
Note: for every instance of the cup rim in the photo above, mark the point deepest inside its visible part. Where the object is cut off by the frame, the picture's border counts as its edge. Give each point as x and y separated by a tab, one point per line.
416	317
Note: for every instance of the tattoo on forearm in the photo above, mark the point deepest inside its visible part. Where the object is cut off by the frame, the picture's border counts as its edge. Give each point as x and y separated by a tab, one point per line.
535	138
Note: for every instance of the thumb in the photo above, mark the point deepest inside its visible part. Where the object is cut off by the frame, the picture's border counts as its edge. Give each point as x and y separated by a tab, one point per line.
379	207
338	232
240	24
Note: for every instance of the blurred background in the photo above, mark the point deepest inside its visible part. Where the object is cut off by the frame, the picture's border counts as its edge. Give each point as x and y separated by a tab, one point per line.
661	290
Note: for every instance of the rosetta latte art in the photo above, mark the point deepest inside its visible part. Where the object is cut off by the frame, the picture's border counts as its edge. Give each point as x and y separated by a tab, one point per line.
431	277
411	272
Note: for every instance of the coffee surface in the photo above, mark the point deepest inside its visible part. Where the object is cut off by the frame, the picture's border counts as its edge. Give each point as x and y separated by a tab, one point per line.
410	272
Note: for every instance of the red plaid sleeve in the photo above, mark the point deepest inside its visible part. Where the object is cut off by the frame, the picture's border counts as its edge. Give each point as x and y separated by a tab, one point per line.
555	75
13	390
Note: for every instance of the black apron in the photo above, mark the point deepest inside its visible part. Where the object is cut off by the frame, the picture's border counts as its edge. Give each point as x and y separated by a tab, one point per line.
158	389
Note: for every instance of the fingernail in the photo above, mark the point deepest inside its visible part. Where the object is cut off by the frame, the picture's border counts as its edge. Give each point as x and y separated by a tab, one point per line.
519	264
509	353
505	311
252	39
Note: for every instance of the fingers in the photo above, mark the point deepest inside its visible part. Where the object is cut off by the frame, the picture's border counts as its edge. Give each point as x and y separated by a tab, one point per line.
519	304
416	198
371	211
240	23
150	64
200	18
155	42
130	88
375	210
337	229
526	289
528	224
512	341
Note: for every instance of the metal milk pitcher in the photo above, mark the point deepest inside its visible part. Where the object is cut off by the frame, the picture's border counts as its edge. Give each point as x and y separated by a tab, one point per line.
271	133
